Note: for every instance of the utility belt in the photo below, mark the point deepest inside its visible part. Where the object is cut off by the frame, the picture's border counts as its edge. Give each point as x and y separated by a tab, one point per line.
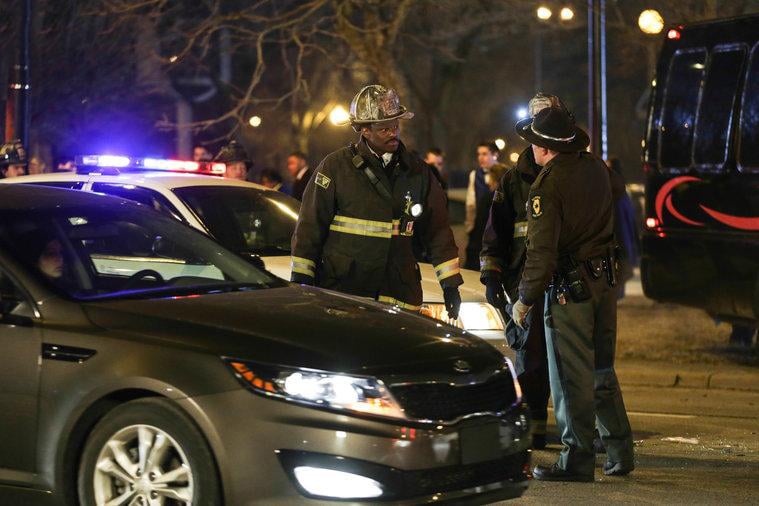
569	281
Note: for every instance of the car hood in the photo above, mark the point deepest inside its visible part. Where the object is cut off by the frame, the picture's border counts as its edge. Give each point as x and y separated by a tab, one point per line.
298	326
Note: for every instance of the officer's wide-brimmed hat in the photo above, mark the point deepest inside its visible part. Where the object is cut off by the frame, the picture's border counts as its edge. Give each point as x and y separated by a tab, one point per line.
233	152
553	128
13	153
375	103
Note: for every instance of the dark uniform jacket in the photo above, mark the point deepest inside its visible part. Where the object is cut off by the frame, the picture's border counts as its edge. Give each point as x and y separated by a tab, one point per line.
352	238
504	239
570	212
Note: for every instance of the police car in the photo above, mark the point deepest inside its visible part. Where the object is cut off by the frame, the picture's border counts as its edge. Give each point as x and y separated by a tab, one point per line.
244	217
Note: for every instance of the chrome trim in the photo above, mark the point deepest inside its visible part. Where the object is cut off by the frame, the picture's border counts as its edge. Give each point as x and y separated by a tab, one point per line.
550	138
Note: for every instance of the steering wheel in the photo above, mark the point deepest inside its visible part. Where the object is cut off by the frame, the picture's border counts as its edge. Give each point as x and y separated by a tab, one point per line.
144	273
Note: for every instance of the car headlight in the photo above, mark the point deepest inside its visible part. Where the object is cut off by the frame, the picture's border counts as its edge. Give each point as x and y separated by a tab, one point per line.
472	315
359	394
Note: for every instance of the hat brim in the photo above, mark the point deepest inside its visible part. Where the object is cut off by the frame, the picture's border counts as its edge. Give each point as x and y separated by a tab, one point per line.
580	142
403	114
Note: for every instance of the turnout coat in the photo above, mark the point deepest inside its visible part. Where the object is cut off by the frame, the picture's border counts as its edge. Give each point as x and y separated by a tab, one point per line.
357	224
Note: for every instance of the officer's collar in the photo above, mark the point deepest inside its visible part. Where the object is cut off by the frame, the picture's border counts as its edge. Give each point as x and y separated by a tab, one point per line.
367	149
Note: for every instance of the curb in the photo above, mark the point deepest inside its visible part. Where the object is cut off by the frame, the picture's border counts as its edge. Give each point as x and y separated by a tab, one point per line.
665	375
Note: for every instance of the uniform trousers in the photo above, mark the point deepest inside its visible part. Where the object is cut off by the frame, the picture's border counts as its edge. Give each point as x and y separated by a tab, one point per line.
581	341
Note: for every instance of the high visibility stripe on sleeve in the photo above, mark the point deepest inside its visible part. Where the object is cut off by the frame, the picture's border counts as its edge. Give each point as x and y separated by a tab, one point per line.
447	269
303	266
488	263
356	226
520	229
396	302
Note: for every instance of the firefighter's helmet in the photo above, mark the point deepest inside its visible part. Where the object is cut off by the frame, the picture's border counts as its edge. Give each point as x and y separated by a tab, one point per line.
375	103
233	152
13	153
541	101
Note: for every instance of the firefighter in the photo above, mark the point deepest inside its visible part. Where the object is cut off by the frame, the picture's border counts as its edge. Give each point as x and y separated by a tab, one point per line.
236	159
362	207
501	262
570	252
13	159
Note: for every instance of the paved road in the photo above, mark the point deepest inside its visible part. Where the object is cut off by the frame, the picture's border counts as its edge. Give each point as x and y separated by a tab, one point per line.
716	461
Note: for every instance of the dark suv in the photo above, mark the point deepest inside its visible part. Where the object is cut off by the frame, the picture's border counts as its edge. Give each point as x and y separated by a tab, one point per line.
144	364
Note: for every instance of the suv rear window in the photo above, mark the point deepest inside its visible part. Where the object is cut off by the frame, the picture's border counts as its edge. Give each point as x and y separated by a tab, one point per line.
717	105
686	70
748	155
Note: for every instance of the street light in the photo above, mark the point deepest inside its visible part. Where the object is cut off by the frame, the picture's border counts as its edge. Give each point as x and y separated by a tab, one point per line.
522	113
566	14
514	157
650	22
255	121
500	144
544	13
338	115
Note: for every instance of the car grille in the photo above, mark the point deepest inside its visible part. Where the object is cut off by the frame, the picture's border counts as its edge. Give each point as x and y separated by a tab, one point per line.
442	401
444	479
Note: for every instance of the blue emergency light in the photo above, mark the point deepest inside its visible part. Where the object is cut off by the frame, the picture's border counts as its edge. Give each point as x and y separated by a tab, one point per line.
88	162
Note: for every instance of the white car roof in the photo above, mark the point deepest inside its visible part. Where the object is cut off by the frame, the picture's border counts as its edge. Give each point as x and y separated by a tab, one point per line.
154	179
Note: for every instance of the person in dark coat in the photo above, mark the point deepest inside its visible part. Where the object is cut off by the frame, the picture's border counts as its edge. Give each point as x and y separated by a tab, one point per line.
297	166
362	207
570	265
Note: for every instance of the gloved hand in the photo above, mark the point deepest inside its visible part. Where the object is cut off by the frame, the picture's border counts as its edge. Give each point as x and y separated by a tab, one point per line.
495	294
301	279
519	313
452	301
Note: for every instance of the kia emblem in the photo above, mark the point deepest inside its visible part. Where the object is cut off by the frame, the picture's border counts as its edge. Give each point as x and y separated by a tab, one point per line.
462	366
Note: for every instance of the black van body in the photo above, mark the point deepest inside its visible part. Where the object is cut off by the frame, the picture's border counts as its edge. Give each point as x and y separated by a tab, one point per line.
701	158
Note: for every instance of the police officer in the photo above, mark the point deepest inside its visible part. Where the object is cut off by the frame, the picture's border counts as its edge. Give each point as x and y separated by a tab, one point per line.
570	251
362	207
13	159
501	262
236	159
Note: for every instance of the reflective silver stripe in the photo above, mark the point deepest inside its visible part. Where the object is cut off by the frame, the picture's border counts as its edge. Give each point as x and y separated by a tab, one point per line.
544	136
396	302
520	229
303	266
447	269
357	226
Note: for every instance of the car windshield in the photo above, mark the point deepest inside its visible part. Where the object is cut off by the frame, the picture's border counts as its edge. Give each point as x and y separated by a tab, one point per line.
245	220
114	249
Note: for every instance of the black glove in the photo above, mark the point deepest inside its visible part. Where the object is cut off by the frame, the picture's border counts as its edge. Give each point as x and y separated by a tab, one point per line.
495	294
452	301
301	279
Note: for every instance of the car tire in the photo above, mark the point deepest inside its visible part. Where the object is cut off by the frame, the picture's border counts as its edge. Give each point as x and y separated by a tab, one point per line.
110	463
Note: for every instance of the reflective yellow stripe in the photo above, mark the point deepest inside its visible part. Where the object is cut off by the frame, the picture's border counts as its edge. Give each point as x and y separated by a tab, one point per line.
396	302
447	269
520	229
303	266
488	263
357	226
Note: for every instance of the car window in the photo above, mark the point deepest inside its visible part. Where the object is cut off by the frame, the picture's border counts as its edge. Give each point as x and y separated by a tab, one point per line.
686	71
70	185
715	115
748	151
114	249
145	196
245	220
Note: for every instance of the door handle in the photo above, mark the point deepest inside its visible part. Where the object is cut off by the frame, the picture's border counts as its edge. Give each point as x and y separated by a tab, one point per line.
52	351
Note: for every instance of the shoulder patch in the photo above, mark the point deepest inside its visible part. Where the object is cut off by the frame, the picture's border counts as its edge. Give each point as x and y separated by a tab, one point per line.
536	206
498	197
322	180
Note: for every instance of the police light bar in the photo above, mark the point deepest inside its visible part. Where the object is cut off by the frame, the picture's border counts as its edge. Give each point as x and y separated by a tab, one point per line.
124	162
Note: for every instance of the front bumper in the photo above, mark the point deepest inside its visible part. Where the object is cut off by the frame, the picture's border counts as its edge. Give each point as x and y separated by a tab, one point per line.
259	441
